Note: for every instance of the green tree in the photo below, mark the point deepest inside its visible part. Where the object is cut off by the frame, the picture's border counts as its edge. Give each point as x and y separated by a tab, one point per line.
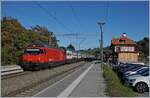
46	36
15	38
143	48
71	47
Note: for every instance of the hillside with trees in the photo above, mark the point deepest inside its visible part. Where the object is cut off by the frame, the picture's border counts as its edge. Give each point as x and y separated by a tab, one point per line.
143	47
15	38
71	47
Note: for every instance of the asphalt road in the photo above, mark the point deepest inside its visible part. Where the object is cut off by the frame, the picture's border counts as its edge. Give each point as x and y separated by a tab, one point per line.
85	82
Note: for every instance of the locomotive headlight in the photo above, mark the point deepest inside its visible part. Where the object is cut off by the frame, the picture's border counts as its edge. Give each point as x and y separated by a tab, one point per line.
39	59
49	60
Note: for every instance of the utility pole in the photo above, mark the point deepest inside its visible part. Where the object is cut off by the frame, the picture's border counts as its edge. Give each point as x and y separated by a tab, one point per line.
100	49
101	41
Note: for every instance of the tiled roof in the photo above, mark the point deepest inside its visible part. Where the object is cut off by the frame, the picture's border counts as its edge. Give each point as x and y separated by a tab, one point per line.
122	41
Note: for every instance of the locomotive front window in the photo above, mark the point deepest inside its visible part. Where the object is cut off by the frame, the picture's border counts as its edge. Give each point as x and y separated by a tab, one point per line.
33	51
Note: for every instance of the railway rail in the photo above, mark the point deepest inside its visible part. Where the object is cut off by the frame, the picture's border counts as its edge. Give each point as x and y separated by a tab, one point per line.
55	72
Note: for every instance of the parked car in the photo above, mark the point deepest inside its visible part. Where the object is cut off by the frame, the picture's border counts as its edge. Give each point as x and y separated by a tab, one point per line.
128	68
121	66
140	82
135	70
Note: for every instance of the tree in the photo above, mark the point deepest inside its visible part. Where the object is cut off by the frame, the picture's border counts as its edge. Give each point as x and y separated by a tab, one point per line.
12	35
143	47
45	36
15	38
71	47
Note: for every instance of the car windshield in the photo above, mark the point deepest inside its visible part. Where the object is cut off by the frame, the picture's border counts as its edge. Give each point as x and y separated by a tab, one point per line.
142	70
134	69
131	67
146	73
126	66
33	51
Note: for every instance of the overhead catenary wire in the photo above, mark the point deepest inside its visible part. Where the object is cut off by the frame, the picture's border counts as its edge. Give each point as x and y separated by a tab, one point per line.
78	21
52	16
62	24
76	17
107	10
79	26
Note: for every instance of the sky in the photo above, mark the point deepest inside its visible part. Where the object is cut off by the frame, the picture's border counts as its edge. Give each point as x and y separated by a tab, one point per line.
81	19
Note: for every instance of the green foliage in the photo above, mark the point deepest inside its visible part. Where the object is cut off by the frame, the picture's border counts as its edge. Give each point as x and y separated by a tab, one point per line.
71	47
107	51
6	56
15	38
114	86
143	47
46	36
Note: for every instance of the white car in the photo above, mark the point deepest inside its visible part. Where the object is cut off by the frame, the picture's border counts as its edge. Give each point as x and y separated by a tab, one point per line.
140	82
134	71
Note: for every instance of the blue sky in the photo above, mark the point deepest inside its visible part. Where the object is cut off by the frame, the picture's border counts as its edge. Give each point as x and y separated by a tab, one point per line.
82	18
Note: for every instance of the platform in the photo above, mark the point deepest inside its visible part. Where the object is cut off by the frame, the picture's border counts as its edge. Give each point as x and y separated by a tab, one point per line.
84	82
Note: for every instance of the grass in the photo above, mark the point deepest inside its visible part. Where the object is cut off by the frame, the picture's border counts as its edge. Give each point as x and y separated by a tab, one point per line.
114	86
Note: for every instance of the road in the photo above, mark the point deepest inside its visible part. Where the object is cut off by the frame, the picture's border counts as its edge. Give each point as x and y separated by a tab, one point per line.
85	82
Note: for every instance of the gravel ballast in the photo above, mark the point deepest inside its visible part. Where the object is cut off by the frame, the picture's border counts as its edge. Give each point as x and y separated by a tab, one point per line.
15	84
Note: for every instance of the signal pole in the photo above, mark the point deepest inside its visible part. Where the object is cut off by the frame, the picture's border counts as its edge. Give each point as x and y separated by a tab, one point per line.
101	41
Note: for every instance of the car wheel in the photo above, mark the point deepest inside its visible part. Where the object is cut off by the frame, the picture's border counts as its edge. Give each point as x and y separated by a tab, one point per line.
141	87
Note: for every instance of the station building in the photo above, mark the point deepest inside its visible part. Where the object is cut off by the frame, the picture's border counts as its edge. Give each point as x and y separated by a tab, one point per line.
124	49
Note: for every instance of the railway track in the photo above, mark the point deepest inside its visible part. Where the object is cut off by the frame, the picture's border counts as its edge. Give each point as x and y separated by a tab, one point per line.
36	83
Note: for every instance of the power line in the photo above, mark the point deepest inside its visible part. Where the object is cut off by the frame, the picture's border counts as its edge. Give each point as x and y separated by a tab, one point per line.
79	34
75	16
52	16
107	10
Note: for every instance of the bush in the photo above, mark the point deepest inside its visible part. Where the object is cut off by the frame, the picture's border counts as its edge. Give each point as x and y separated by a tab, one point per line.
114	86
6	57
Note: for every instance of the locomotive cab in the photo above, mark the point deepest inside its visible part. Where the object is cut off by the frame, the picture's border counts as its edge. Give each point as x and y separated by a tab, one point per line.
34	58
34	51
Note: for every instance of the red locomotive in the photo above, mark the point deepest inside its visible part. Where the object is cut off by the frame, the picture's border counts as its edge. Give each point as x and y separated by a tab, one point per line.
38	56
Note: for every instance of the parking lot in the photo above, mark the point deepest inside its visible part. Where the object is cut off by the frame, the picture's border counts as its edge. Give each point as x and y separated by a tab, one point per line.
135	76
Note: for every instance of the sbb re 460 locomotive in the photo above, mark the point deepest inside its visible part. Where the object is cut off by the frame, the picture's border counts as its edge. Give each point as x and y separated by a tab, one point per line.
38	56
